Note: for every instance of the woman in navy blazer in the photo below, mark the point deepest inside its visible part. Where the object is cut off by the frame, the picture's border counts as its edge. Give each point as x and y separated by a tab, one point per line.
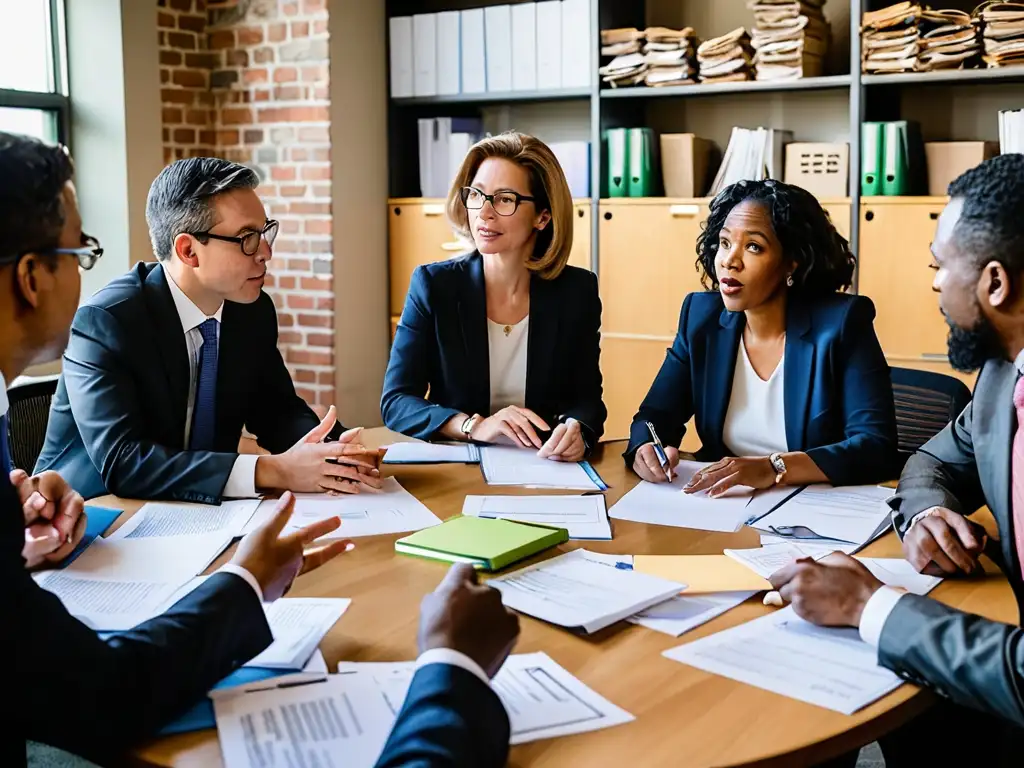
503	344
784	373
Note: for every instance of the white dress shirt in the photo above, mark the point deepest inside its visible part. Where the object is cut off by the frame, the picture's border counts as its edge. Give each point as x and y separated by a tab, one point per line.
755	423
507	359
241	482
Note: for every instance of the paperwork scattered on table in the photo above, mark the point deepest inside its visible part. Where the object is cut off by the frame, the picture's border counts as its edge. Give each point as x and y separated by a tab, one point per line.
520	466
298	624
702	574
432	453
157	520
854	514
764	561
584	517
542	699
897	572
781	652
685	612
393	510
108	604
573	590
341	721
667	504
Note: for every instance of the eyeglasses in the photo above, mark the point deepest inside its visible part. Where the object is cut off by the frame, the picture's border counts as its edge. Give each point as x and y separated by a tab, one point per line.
504	203
250	241
87	255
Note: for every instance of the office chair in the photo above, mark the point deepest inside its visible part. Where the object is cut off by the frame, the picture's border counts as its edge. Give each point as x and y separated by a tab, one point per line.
925	403
27	419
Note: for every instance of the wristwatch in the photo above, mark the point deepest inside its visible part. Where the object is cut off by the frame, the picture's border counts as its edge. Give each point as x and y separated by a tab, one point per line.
468	424
779	466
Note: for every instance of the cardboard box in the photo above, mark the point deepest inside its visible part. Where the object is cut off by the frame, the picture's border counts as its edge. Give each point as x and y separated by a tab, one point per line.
821	169
684	164
948	159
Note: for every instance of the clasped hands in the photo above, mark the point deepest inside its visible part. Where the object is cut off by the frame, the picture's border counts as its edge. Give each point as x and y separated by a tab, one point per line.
520	425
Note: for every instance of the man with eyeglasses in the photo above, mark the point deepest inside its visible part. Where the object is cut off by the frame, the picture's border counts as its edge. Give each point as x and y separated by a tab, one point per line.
168	363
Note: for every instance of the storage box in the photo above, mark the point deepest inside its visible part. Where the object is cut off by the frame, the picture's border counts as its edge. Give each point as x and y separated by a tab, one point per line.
948	159
821	169
684	164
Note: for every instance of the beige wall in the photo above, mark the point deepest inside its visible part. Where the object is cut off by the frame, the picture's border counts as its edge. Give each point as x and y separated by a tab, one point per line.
358	115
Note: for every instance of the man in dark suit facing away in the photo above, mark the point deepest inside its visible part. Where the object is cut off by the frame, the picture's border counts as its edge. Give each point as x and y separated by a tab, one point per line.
97	698
978	459
168	362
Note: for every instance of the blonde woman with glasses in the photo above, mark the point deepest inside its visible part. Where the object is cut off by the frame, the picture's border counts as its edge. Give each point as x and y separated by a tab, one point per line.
502	345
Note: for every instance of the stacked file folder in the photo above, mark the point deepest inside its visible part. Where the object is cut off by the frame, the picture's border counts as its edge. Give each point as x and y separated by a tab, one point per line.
752	154
947	40
728	58
790	38
671	56
628	65
443	145
1003	34
890	39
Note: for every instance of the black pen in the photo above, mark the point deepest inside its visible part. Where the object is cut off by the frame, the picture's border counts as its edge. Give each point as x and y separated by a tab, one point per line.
659	449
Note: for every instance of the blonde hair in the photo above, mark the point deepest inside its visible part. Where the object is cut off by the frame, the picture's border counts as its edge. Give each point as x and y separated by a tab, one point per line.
547	185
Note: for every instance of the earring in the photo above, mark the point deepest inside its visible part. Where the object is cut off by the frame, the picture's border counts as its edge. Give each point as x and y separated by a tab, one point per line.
789	281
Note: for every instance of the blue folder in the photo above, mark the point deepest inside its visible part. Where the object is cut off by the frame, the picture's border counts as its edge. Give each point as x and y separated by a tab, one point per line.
200	716
98	520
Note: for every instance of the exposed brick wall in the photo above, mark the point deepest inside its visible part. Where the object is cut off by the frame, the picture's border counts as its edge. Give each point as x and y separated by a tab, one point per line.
189	119
263	74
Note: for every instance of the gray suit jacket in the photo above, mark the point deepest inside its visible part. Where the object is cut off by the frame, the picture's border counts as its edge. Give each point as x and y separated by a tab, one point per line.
973	661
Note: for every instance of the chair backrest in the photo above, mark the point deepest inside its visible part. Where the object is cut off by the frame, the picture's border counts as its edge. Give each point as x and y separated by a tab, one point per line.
27	419
925	403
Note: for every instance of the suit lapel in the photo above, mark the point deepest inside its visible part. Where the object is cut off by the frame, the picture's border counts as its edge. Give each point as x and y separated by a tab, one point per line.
173	351
993	424
723	347
542	337
798	374
473	322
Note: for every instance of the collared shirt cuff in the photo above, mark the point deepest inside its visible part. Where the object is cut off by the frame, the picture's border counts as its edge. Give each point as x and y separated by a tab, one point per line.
245	576
242	480
915	520
876	612
455	658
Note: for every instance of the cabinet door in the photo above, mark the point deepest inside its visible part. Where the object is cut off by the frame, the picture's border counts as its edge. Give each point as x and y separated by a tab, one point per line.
893	272
418	233
839	212
581	235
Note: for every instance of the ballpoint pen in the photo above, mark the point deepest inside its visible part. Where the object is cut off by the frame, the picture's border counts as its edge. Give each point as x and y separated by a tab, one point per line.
659	449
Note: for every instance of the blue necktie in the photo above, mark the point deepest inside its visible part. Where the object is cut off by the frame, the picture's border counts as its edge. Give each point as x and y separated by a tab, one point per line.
5	453
204	412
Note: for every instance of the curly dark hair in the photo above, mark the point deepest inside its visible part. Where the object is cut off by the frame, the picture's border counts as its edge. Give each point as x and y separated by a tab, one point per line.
991	223
824	262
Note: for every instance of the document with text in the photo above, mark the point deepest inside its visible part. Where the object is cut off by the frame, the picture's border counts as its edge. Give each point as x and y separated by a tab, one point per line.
298	624
502	465
851	514
584	517
159	520
432	453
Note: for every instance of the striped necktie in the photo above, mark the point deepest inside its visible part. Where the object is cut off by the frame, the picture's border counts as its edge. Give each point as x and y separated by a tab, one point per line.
5	453
204	412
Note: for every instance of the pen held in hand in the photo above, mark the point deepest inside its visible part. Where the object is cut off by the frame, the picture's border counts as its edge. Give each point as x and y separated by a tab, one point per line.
659	450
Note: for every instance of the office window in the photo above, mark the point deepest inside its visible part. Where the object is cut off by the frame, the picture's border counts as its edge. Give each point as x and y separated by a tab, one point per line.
33	77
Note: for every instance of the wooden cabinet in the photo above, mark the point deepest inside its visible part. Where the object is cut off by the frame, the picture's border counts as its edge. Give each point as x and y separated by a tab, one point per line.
838	210
581	234
418	233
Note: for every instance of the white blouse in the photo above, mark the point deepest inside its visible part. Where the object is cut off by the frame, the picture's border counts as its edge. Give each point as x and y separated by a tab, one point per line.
755	424
507	345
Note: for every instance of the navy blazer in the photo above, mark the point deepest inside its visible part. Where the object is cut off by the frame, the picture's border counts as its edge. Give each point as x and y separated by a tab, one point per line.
439	363
837	391
117	422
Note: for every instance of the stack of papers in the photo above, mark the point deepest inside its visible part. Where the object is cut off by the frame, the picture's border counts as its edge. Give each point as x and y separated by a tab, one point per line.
824	515
1011	131
947	40
298	624
752	154
583	517
432	453
889	38
621	42
393	510
790	38
158	520
726	59
628	65
522	466
685	612
576	590
1003	34
671	56
542	699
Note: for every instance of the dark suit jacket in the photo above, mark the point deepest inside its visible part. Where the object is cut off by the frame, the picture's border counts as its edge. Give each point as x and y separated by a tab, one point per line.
117	423
974	661
96	698
837	390
441	346
449	720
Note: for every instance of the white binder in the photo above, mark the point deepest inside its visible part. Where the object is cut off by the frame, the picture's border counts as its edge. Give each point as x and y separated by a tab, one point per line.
474	60
424	54
449	66
549	45
576	51
400	39
498	37
524	47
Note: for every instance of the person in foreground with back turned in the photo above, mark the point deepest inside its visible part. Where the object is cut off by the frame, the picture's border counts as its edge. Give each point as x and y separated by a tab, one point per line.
168	362
782	370
97	698
978	459
502	344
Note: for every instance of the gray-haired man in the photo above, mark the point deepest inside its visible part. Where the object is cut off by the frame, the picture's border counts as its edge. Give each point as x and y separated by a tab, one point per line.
168	362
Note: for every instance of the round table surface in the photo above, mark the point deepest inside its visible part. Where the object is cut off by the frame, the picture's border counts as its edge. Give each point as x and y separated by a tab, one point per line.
684	716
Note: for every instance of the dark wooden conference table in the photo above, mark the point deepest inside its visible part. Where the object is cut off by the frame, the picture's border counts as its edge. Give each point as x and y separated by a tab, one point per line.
684	716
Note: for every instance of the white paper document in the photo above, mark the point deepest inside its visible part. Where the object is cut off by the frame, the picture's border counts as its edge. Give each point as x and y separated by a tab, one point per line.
666	504
342	722
574	590
780	652
157	520
314	671
393	510
852	514
766	560
432	453
542	699
584	517
111	605
685	612
897	572
521	466
298	624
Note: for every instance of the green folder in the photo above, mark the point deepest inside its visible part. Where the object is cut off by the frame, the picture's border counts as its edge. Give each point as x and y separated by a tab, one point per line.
871	159
640	181
488	544
896	159
617	141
